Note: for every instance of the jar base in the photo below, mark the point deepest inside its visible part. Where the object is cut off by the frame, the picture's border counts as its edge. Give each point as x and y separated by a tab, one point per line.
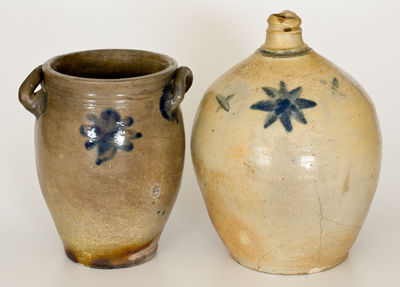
124	261
288	271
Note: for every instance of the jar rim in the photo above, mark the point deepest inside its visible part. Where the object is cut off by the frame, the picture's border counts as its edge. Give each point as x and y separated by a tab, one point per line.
84	66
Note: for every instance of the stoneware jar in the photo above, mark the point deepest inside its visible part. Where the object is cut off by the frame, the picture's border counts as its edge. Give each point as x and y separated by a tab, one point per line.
287	150
109	150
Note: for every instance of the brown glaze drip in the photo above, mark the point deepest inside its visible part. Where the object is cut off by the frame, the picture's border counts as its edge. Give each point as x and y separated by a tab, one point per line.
119	258
70	254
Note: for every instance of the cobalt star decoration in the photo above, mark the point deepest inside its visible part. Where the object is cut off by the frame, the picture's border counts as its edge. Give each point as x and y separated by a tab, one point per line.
286	104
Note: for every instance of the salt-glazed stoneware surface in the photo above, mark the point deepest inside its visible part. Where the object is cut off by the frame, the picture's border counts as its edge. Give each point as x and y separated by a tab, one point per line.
109	150
287	150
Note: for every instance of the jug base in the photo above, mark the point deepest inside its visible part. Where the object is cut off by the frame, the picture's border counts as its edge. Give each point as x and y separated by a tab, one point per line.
288	271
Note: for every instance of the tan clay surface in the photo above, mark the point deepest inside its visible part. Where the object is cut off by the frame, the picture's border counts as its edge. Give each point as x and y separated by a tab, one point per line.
286	191
109	207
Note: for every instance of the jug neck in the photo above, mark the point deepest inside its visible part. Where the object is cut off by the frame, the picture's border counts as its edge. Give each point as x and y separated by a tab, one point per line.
284	35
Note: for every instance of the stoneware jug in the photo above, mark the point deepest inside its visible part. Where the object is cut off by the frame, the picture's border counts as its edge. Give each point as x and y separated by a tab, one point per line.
287	150
110	145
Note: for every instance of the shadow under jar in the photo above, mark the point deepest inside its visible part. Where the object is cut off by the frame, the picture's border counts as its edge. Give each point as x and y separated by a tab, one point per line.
110	146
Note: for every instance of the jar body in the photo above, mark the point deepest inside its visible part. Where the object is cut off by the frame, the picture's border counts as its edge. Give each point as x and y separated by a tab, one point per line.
287	155
109	162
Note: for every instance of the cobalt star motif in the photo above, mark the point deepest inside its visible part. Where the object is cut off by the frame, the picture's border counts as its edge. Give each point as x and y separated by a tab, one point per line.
109	133
286	104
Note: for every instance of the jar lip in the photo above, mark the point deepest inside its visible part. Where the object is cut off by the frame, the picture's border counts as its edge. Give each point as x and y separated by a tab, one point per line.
168	62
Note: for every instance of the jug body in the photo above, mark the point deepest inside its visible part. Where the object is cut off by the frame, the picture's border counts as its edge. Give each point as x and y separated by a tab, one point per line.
287	149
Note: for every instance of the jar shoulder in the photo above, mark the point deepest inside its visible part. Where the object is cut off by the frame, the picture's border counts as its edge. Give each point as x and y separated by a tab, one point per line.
306	102
310	79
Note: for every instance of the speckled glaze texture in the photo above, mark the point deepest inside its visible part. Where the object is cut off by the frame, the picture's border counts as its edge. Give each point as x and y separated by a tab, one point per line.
287	150
109	163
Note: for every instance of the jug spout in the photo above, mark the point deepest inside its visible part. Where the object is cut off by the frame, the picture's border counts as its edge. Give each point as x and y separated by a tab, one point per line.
284	35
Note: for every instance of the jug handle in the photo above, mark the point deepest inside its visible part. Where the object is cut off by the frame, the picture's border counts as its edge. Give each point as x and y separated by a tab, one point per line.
174	93
34	102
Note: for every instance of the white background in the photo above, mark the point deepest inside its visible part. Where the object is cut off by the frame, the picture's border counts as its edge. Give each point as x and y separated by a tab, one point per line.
209	36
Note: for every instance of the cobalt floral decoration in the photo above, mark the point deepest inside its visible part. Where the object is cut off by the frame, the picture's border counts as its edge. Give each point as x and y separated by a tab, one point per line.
109	133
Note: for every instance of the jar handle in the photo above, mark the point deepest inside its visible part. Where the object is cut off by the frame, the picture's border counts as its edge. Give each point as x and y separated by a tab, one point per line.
174	93
33	102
